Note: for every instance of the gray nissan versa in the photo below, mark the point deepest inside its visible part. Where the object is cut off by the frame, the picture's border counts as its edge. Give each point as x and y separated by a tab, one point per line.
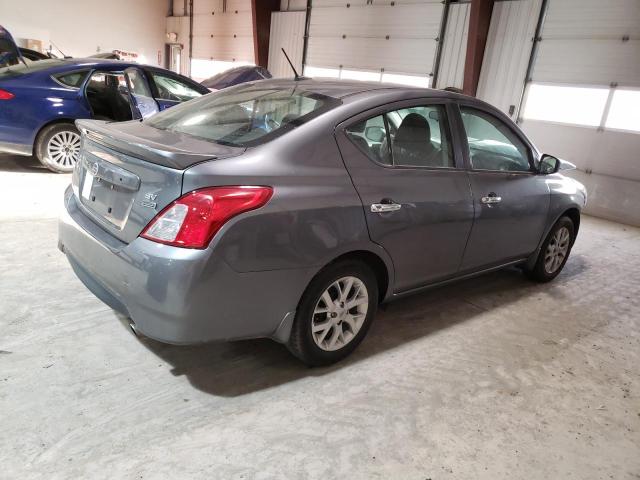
290	209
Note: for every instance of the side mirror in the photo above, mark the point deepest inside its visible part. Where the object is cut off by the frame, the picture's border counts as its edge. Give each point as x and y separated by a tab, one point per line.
374	134
548	164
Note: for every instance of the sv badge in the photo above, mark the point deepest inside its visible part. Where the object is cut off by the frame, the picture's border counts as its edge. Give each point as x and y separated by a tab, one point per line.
149	200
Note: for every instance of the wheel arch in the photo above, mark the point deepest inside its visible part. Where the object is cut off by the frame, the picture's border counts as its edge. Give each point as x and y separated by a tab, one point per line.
574	214
377	264
42	128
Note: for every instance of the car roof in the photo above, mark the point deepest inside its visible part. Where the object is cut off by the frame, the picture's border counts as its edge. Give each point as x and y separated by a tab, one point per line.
344	88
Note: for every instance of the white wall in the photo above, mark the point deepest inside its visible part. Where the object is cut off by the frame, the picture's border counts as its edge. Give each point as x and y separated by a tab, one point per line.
81	27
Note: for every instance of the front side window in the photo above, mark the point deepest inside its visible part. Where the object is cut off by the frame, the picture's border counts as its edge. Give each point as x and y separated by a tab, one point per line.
410	137
171	89
493	145
244	116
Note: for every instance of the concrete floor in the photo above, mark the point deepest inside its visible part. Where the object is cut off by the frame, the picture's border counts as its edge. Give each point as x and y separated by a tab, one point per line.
491	378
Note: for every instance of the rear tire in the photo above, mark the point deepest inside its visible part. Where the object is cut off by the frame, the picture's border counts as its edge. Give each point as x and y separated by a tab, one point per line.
334	314
554	252
58	147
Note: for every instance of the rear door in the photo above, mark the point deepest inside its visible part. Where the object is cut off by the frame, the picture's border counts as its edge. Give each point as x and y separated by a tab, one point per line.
143	103
511	200
413	187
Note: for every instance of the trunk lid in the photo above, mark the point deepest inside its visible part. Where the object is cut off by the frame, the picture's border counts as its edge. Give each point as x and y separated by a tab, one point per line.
128	172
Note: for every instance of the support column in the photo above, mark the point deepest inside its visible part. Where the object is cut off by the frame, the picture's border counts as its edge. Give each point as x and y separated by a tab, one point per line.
261	15
479	21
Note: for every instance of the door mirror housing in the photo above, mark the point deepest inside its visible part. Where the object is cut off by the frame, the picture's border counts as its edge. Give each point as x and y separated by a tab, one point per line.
374	134
550	164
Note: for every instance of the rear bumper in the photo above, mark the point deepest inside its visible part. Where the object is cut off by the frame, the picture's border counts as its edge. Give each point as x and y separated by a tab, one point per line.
178	295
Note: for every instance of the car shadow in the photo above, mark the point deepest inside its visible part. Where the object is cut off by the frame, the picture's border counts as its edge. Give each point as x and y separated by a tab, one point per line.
237	368
20	164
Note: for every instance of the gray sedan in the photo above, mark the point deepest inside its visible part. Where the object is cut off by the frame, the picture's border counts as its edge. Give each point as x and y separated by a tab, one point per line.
292	209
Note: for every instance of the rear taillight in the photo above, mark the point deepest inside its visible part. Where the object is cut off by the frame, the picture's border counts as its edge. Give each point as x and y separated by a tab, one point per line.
192	220
4	95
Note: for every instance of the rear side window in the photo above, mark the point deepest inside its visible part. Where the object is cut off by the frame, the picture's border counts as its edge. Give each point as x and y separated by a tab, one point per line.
492	144
243	116
72	80
409	137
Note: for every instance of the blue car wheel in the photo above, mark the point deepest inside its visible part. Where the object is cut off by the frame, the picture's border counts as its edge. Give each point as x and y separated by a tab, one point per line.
58	147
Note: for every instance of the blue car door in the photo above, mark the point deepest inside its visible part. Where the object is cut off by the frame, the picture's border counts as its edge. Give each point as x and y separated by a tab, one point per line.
144	105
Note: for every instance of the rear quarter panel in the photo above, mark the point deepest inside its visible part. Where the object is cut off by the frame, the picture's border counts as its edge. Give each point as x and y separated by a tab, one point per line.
38	101
314	216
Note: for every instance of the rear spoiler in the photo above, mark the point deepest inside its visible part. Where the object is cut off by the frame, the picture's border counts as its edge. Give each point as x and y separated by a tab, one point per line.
139	140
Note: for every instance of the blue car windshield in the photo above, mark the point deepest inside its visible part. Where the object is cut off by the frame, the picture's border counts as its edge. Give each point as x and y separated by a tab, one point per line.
244	117
21	68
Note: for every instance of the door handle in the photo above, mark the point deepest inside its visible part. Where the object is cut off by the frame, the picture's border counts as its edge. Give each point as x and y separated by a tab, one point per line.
385	207
491	199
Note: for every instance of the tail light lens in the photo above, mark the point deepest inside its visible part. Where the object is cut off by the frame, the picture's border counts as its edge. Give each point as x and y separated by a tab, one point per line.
192	220
4	95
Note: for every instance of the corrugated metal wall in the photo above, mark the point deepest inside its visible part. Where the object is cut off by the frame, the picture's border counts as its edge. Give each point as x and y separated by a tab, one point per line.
509	44
287	31
451	73
399	37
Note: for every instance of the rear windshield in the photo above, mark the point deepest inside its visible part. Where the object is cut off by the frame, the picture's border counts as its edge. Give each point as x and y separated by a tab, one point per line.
243	116
21	68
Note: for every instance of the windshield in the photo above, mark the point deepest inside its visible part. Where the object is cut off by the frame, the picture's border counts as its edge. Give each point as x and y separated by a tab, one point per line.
243	116
21	68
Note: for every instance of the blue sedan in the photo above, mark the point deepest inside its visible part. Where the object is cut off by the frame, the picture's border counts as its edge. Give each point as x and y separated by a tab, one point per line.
40	101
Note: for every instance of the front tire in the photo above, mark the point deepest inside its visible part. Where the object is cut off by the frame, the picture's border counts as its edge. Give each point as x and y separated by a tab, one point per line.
554	252
334	314
58	147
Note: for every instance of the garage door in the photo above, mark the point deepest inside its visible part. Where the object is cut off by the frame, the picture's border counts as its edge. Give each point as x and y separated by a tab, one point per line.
583	101
222	36
368	39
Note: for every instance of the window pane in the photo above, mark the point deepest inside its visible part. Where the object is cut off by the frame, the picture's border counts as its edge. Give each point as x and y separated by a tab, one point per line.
409	80
320	72
625	110
73	80
360	75
171	89
419	137
371	137
492	145
243	116
577	105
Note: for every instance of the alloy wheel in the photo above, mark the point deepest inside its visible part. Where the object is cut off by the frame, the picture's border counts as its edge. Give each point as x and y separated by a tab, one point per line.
339	313
63	149
557	250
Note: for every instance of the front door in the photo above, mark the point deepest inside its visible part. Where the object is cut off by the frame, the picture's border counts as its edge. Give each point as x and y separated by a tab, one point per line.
142	101
414	191
511	200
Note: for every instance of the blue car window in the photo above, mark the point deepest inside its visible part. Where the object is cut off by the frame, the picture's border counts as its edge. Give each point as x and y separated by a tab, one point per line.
73	80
